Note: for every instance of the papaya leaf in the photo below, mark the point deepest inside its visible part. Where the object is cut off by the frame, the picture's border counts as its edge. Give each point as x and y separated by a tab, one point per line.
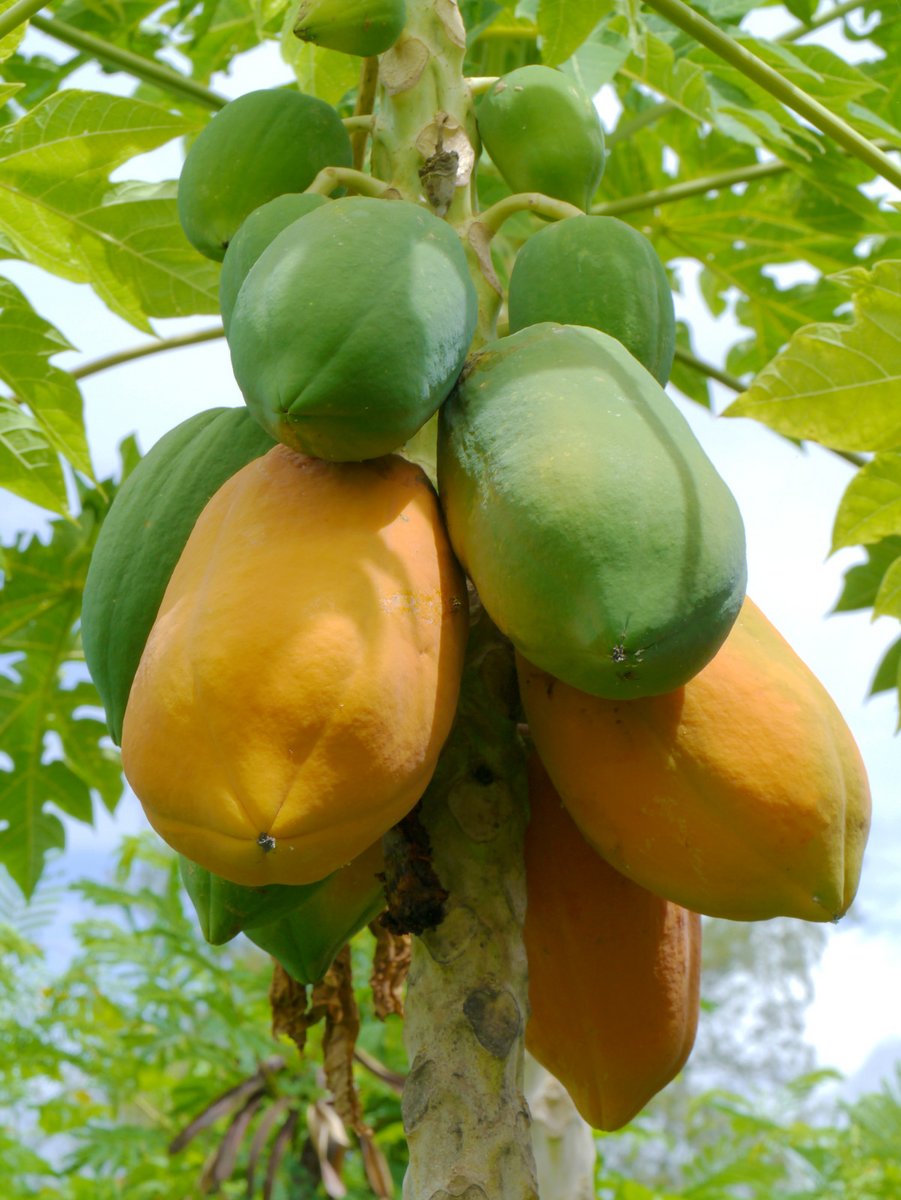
888	598
563	25
839	384
863	579
598	59
690	382
50	727
323	73
60	212
9	44
27	342
29	468
871	506
218	30
887	673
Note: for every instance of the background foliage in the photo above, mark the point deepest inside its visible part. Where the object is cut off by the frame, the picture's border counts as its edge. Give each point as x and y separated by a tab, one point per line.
778	224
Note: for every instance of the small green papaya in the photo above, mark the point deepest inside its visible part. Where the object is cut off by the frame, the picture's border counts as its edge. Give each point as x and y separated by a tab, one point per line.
306	940
258	147
352	326
362	27
600	538
143	536
597	271
260	228
224	909
543	134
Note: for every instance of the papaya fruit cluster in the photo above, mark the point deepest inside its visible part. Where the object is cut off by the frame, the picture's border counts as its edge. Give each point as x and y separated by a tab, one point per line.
277	610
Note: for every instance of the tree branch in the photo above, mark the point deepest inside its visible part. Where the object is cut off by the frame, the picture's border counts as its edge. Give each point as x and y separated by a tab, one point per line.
826	18
17	14
759	72
133	64
123	356
689	187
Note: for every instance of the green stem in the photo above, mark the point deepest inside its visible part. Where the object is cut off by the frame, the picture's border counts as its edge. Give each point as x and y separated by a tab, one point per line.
628	128
831	14
134	352
777	85
479	84
690	187
133	64
545	206
730	381
17	14
330	178
357	124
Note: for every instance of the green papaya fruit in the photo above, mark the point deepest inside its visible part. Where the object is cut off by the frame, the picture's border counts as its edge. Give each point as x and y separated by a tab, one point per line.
597	271
352	326
252	238
306	940
362	27
258	147
543	134
600	537
224	909
143	536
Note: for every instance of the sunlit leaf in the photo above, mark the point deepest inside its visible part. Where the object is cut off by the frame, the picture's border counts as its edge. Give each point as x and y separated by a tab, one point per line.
564	25
839	384
871	506
863	579
888	598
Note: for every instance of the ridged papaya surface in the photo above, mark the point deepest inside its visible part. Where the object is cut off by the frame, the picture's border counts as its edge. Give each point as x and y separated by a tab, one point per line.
258	147
361	27
543	134
741	795
253	237
614	971
598	534
601	272
352	327
143	536
303	670
306	940
223	909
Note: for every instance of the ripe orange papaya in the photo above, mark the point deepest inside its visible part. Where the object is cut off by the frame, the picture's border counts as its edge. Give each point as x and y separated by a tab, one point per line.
741	794
614	971
303	670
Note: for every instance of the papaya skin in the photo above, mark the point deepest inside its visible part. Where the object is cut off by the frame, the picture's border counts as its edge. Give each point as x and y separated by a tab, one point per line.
598	534
614	971
257	147
303	670
597	271
740	795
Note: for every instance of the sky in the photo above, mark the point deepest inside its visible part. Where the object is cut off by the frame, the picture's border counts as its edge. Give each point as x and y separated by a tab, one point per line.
788	498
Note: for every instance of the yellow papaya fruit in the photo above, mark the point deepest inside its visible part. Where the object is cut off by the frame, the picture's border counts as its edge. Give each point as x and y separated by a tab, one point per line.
614	971
303	670
741	794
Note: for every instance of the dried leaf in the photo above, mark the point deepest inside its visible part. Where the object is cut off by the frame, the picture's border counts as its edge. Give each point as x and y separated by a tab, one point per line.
223	1163
282	1142
261	1136
288	1002
378	1173
226	1103
329	1141
394	1079
342	1025
413	891
390	965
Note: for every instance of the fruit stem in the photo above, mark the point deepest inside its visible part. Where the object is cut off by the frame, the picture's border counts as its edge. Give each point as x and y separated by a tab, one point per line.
545	206
330	178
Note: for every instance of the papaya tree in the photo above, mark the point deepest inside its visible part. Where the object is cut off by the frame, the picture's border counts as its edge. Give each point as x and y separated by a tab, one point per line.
458	553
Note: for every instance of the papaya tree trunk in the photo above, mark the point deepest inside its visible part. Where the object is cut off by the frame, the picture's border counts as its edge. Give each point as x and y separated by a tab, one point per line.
464	1112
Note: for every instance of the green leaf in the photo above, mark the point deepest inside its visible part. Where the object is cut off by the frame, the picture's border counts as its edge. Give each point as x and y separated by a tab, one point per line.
871	506
29	468
323	73
887	673
59	750
27	342
839	384
60	212
9	44
563	25
598	59
888	598
862	580
691	383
